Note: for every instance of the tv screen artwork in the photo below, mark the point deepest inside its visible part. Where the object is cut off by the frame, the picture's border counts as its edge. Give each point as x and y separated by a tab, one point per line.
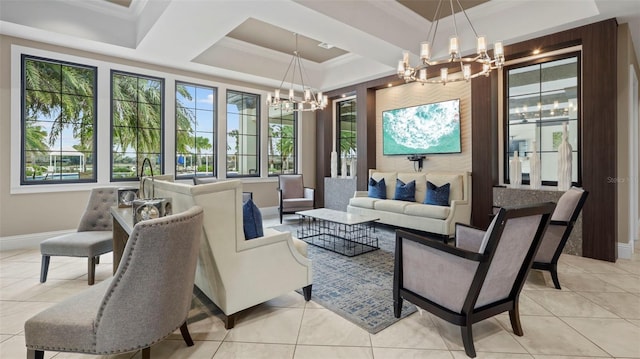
425	129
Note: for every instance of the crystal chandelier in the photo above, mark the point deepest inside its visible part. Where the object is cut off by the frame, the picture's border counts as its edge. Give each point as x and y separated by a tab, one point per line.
419	72
310	100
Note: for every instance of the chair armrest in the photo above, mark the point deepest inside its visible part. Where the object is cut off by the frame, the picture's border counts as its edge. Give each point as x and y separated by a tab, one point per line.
559	223
435	271
361	194
309	192
468	237
437	244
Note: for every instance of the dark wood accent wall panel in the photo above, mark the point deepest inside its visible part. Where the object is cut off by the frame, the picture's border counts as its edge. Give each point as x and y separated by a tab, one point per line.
324	144
599	119
366	125
484	147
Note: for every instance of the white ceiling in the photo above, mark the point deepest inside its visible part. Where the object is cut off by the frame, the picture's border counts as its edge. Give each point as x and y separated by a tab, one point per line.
191	34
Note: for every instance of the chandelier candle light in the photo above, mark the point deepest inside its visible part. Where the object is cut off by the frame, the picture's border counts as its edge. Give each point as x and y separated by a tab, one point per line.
419	72
310	102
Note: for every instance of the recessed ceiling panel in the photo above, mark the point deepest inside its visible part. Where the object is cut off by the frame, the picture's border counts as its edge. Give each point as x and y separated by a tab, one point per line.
427	8
272	37
125	3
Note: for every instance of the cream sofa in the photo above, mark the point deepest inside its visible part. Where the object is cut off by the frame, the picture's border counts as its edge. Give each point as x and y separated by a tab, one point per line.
415	215
235	273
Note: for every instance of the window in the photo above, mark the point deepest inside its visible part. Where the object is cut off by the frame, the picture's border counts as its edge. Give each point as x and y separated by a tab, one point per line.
541	97
136	124
58	122
242	134
196	108
282	141
346	131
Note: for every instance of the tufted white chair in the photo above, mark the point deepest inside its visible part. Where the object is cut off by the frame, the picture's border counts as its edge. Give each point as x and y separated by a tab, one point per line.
93	238
235	273
147	299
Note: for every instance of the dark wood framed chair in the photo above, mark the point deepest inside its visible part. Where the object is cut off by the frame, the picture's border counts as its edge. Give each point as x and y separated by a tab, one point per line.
480	277
293	196
562	221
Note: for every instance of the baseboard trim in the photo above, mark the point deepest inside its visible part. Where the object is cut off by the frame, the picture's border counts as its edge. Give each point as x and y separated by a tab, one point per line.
28	241
625	250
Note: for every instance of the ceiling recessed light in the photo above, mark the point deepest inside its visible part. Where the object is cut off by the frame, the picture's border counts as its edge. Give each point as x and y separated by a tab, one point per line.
324	45
389	84
344	95
536	51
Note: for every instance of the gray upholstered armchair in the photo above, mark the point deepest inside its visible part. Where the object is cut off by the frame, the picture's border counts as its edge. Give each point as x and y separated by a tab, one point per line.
147	299
93	238
562	221
293	195
481	277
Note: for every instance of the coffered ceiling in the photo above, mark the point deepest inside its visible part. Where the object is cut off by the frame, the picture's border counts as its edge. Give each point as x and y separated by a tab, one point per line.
252	40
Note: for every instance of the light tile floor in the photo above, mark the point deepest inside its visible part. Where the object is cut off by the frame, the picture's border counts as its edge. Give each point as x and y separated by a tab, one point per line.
595	315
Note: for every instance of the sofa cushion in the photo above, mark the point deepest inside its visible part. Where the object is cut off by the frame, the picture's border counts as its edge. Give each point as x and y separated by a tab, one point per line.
377	189
438	196
405	191
421	183
427	210
391	205
296	204
456	191
363	202
251	220
389	179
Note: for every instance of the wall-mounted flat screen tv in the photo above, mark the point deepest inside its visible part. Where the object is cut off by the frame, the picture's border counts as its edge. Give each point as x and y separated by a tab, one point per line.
424	129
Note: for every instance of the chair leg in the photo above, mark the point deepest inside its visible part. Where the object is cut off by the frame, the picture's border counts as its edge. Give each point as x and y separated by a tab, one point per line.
44	268
307	292
554	276
514	316
280	215
397	307
35	354
91	270
146	353
467	340
184	330
229	321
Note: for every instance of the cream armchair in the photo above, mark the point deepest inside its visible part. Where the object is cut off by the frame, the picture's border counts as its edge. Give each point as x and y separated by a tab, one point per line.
234	273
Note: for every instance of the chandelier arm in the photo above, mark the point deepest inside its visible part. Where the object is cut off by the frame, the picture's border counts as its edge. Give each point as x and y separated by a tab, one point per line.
467	17
453	15
286	72
433	38
434	21
300	69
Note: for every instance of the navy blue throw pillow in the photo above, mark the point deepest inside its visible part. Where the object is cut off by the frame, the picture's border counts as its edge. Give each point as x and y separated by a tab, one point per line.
405	192
251	220
438	196
377	189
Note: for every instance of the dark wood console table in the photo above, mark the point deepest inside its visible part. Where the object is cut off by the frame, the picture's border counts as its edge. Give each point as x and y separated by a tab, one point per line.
122	227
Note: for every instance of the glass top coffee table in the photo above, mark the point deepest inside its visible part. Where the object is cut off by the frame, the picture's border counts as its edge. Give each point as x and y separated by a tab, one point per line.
341	232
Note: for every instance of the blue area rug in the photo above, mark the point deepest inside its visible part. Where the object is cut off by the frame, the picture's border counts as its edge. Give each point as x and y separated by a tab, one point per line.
360	288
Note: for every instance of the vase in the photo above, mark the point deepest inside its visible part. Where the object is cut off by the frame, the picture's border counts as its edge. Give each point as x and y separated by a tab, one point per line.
535	179
515	171
334	164
343	169
354	167
564	161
